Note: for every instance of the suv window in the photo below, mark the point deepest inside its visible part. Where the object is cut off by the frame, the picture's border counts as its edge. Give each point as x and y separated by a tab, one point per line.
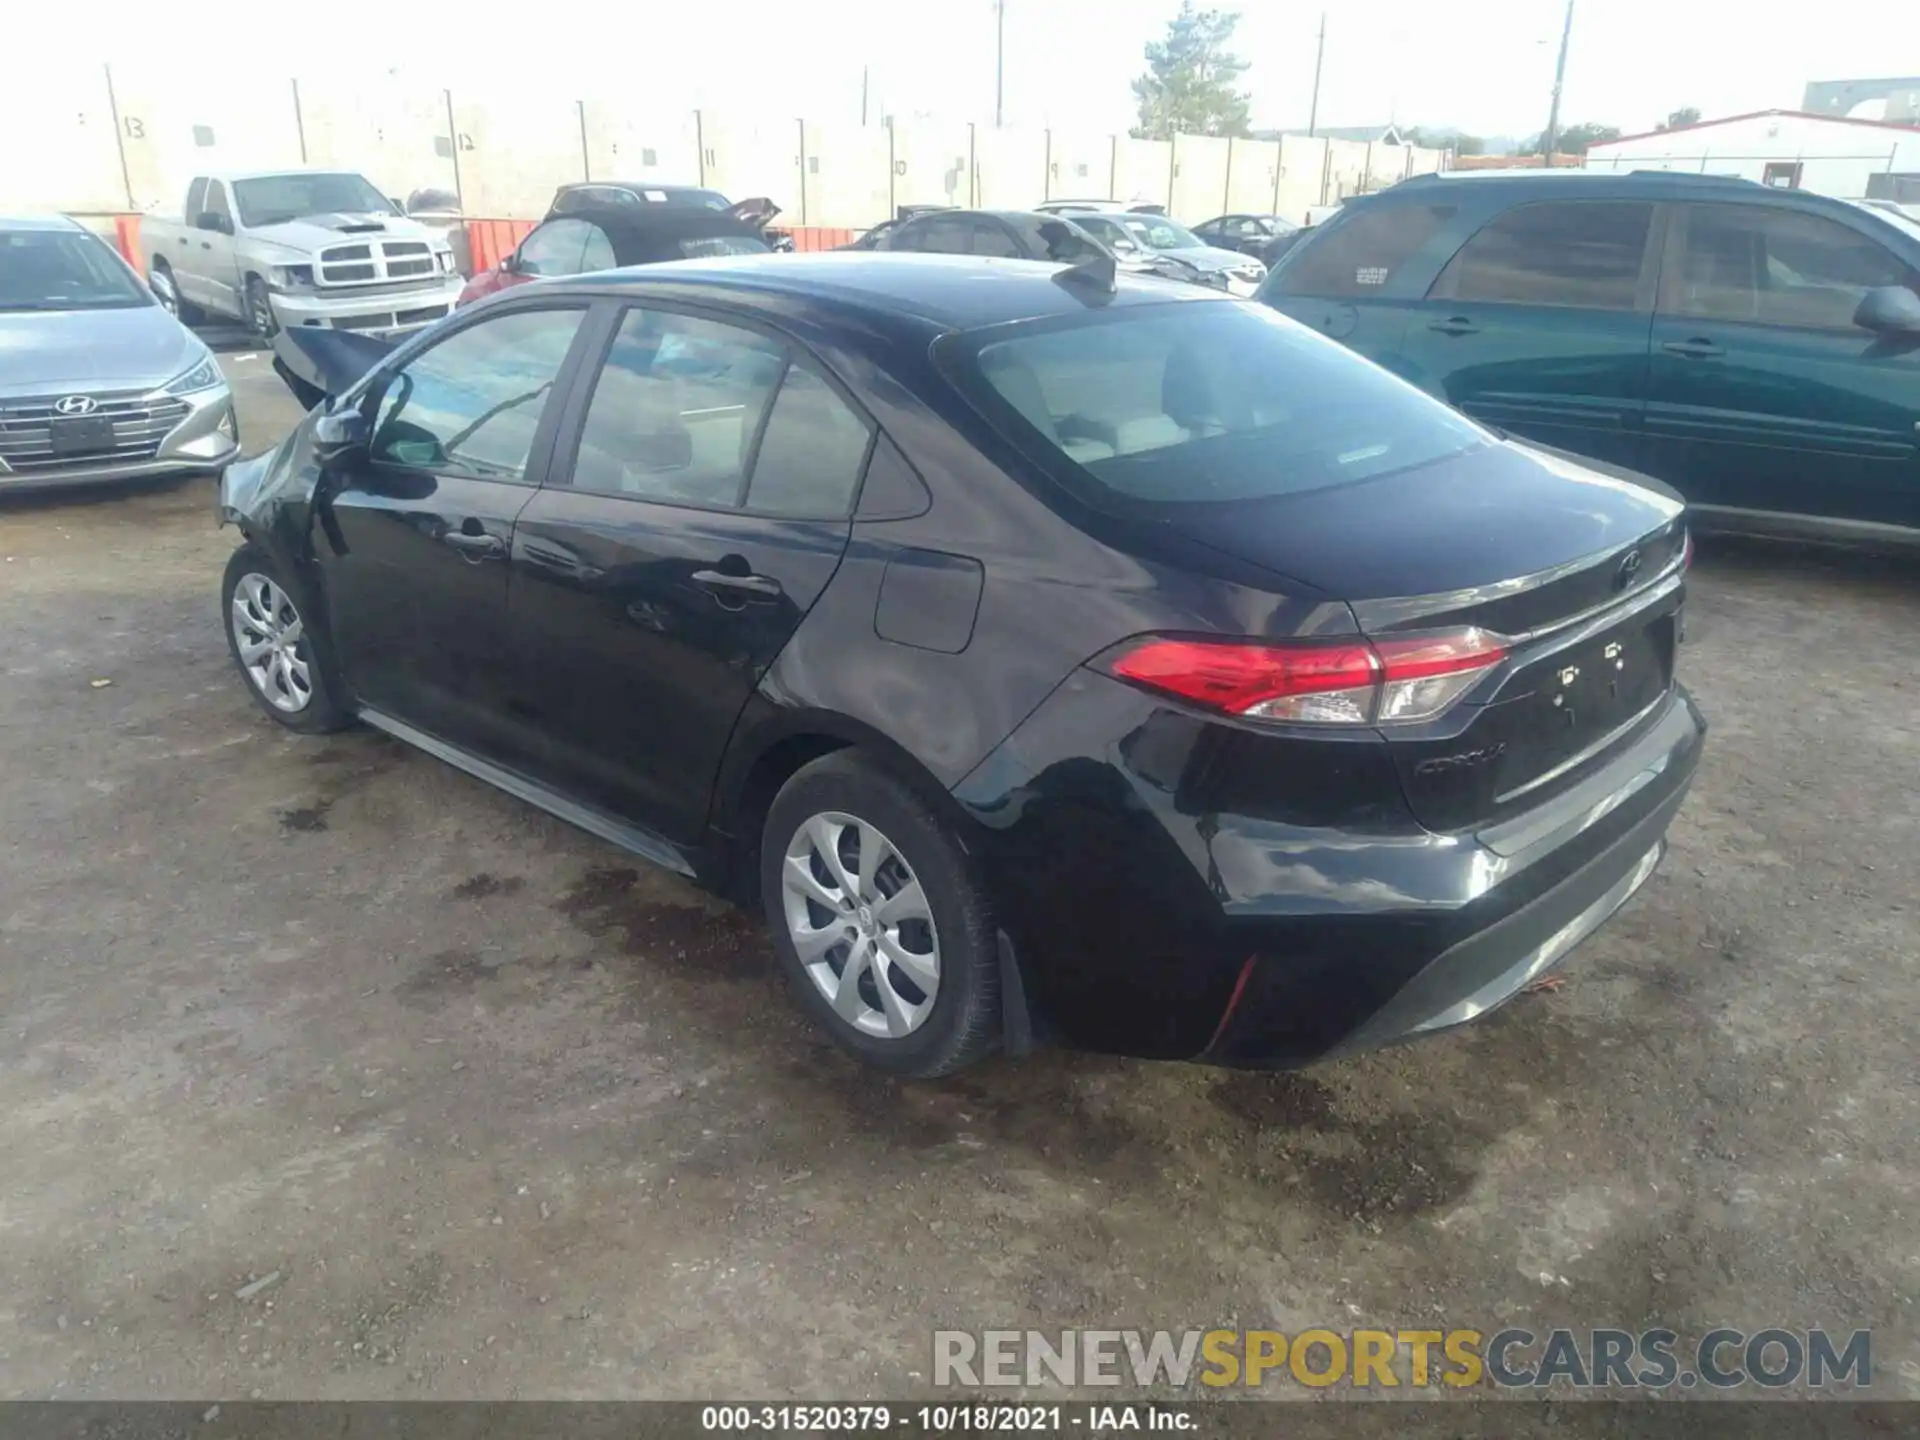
676	410
1779	267
940	234
1359	254
470	404
990	238
1582	253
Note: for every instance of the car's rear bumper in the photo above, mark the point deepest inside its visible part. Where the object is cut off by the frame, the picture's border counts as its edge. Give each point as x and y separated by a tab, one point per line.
1149	922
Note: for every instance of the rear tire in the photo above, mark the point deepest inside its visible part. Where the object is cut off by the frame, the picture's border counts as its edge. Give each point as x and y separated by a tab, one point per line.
882	927
282	660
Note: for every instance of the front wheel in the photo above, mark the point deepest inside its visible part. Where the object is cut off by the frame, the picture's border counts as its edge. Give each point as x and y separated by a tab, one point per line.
884	931
166	289
276	651
260	317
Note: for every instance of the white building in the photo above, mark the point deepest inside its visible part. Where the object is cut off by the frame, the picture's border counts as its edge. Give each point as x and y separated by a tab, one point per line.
1831	154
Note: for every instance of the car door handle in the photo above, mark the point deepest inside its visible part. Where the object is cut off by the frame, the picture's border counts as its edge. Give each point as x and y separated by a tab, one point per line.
763	585
1455	325
476	547
1693	349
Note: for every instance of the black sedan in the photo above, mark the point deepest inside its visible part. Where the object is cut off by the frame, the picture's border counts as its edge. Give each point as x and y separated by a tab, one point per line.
1265	237
1049	655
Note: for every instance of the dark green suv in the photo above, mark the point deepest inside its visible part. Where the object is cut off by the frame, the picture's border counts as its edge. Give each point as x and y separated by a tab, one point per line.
1758	349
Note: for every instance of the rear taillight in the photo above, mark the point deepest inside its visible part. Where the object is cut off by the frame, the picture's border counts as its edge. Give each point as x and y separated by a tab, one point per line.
1388	681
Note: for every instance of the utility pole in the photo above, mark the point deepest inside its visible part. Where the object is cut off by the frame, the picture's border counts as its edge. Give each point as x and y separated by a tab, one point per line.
999	63
1319	58
863	95
1552	135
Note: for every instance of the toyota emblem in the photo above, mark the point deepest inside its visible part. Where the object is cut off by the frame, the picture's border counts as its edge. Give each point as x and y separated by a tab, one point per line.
1629	567
75	405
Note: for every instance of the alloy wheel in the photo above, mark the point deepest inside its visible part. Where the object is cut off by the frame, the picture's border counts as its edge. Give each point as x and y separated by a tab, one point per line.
861	925
260	312
271	642
161	283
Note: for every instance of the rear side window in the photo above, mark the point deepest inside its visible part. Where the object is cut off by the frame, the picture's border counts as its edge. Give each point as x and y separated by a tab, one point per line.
196	200
1202	402
1582	253
811	455
942	236
1359	254
1779	267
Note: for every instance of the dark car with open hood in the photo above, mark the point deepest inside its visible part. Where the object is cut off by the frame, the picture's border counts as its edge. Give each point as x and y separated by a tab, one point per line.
1051	655
601	227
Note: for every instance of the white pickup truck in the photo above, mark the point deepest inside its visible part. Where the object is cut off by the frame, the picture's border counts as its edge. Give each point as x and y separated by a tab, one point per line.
299	247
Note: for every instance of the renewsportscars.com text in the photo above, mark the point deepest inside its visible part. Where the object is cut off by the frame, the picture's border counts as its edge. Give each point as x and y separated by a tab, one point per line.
1655	1359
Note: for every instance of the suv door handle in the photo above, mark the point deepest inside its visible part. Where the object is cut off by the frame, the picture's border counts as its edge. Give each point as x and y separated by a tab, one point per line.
1693	349
1455	325
476	547
762	585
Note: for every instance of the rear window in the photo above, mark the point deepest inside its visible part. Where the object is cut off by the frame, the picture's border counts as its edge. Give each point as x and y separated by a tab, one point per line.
1202	401
1360	251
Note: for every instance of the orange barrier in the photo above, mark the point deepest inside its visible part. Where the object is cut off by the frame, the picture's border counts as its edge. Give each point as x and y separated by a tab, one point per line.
821	237
491	241
126	235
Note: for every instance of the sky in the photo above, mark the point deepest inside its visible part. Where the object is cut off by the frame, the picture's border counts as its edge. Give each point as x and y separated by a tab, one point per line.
1485	66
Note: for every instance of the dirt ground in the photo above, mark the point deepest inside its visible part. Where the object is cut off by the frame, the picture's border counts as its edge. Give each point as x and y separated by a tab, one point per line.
497	1111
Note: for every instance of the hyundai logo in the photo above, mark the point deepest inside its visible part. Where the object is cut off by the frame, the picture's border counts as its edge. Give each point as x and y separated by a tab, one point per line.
1629	567
75	405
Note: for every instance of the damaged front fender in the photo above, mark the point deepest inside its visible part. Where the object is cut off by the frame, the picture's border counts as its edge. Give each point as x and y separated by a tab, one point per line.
271	498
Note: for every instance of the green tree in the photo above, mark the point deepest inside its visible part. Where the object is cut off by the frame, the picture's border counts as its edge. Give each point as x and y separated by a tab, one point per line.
1190	82
1685	115
1575	139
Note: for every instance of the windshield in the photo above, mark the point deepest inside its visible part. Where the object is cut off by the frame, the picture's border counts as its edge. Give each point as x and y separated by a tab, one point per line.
274	198
1158	234
1201	401
63	270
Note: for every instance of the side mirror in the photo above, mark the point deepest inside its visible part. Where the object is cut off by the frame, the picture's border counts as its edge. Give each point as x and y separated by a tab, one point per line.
209	220
511	264
338	433
1889	310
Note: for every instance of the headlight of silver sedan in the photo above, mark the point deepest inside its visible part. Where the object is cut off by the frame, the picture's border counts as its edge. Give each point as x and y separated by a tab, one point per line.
203	376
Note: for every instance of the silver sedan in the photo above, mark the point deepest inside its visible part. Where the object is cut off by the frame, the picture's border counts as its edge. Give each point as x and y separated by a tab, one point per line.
97	382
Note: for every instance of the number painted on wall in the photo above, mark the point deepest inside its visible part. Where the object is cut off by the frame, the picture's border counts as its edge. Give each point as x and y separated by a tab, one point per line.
135	127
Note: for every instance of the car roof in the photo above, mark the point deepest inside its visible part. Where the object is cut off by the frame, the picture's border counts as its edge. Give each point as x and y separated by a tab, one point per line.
956	292
230	176
1671	185
636	187
38	222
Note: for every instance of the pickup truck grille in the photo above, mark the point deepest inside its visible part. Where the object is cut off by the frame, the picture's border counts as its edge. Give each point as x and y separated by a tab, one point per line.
139	425
372	264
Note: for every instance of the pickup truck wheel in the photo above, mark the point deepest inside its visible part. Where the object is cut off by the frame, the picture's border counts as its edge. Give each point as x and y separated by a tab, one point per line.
260	309
167	291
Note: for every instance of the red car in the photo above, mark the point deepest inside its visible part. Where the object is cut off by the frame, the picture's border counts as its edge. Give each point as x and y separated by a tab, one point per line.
600	227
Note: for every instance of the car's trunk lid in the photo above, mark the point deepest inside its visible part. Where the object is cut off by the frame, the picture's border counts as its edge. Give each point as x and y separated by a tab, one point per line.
1576	564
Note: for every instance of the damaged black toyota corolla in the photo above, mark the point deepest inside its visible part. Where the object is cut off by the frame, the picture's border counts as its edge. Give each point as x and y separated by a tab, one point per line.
1051	656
